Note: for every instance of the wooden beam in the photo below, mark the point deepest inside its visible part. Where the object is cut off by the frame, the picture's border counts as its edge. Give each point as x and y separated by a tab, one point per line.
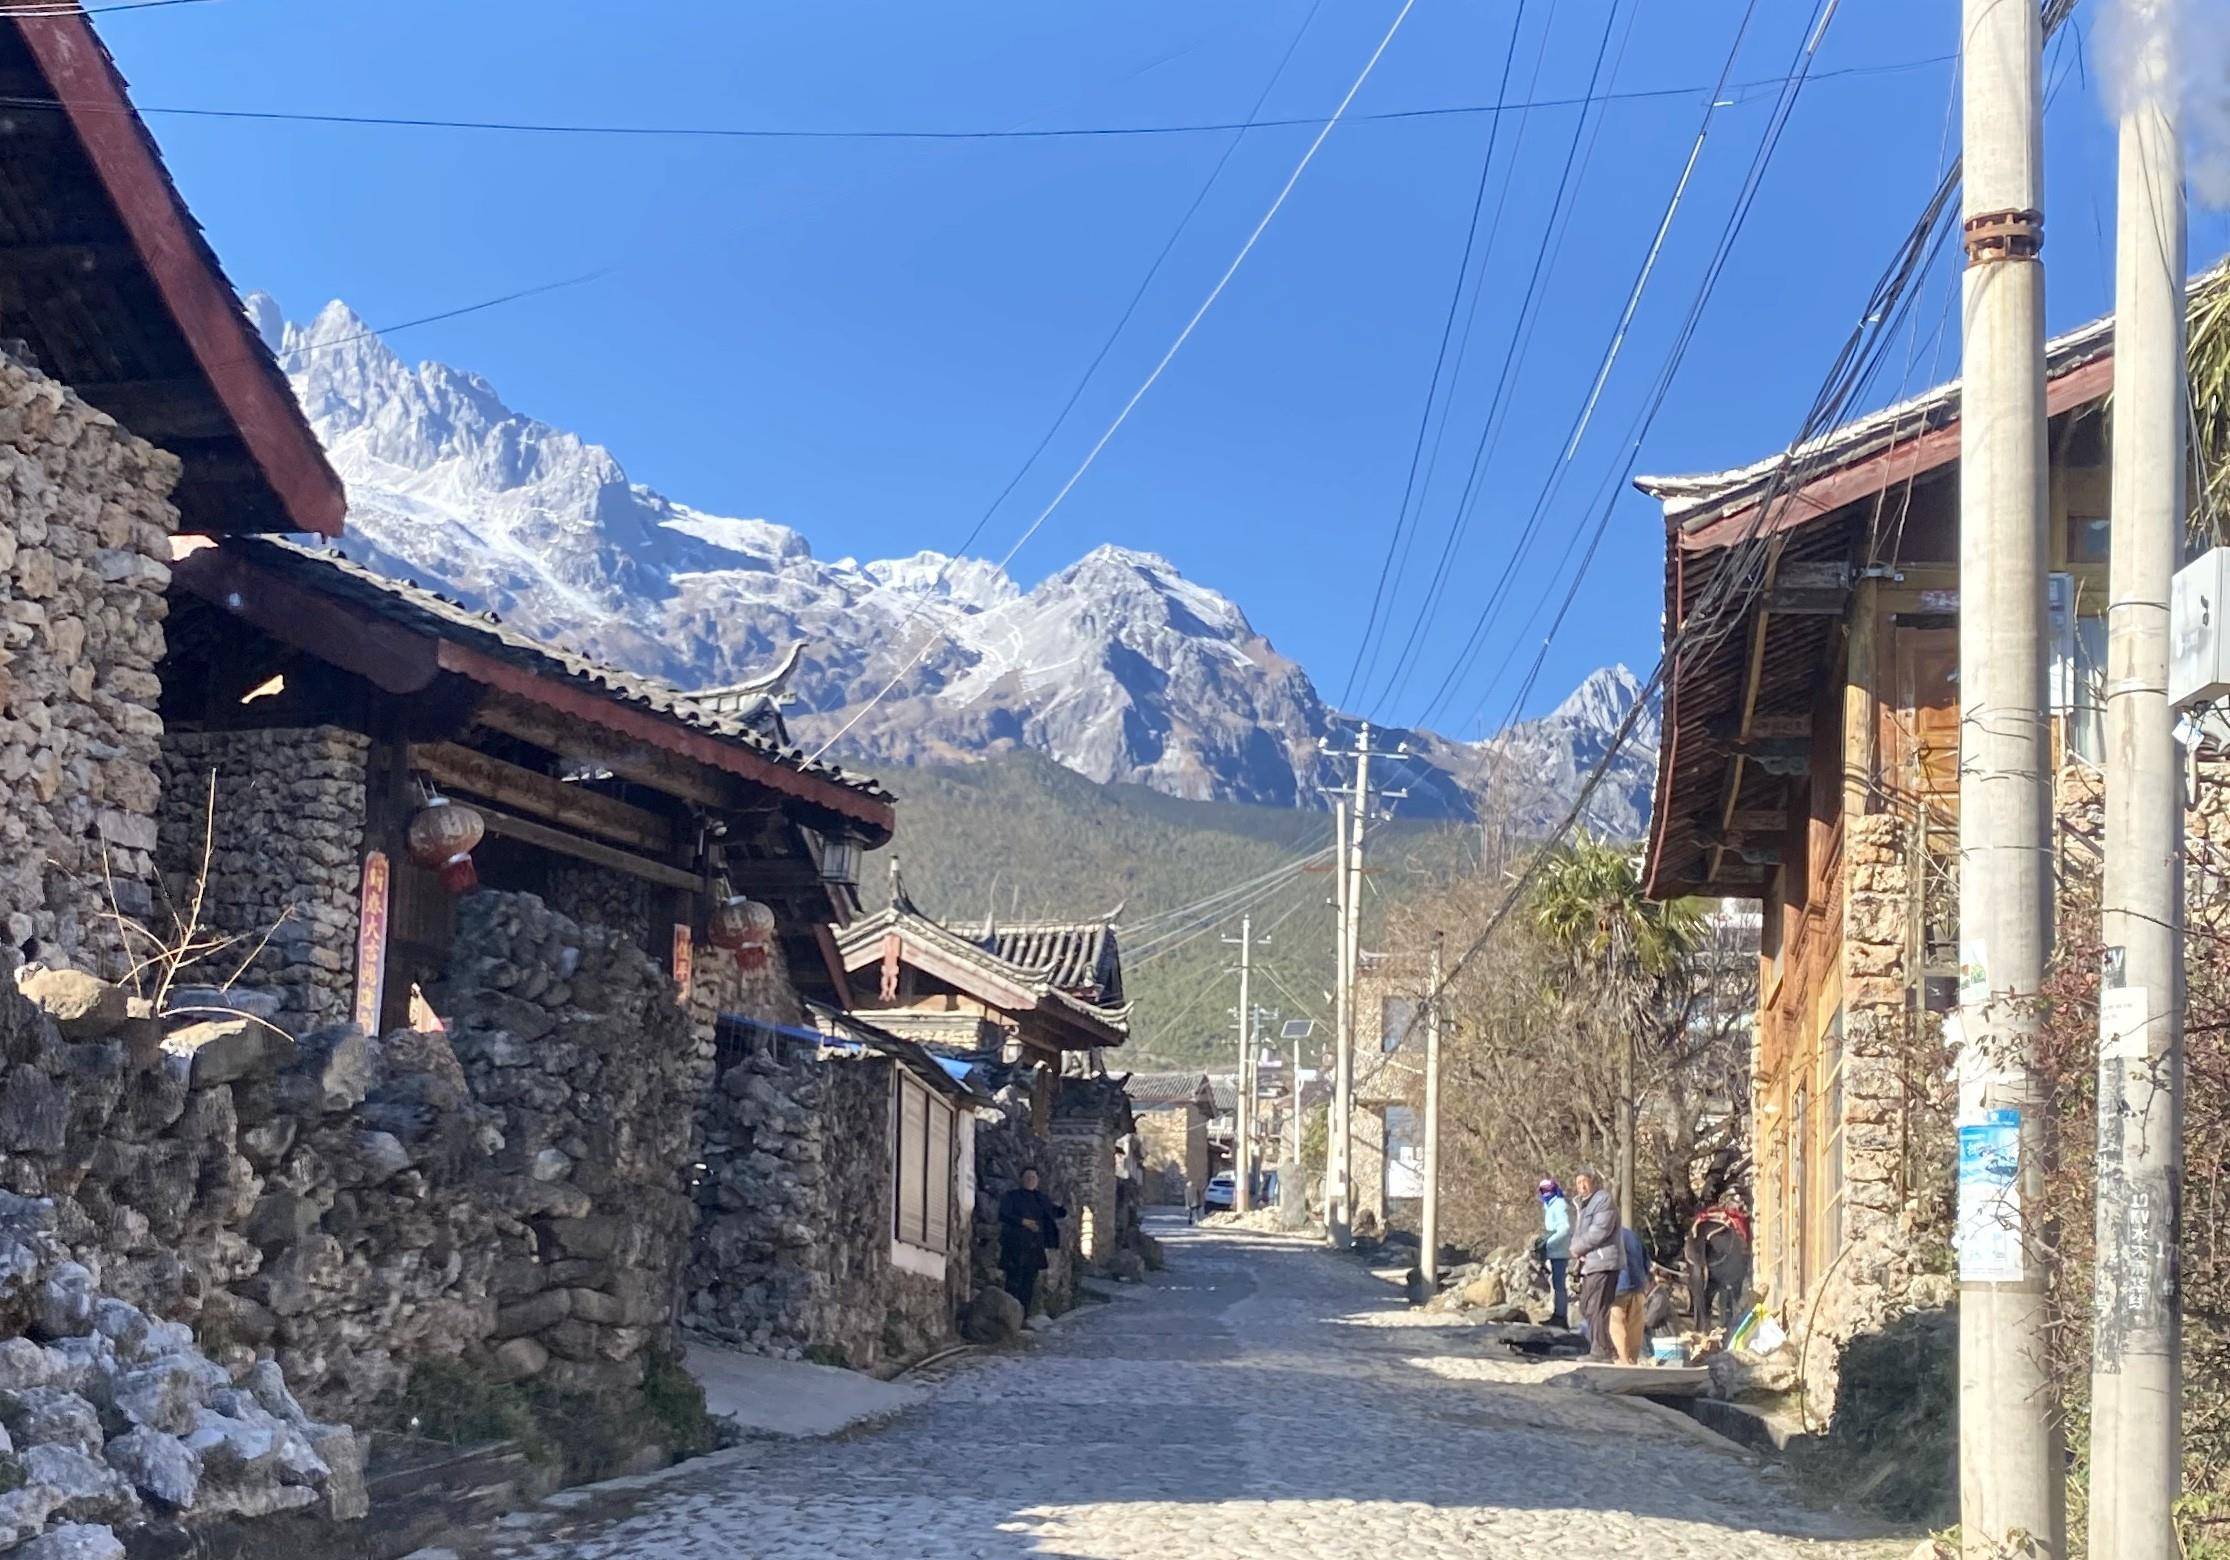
543	837
1729	729
1758	820
872	816
492	779
383	653
576	742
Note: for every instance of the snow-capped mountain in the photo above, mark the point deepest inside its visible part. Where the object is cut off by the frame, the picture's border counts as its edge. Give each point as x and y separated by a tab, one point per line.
1117	666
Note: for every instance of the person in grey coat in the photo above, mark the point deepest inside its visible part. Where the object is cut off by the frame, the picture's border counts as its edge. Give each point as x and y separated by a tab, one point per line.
1597	1257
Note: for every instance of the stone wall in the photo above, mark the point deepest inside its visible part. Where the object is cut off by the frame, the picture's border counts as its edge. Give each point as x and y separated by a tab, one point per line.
281	846
575	1042
793	1250
85	522
598	896
1086	1150
1176	1153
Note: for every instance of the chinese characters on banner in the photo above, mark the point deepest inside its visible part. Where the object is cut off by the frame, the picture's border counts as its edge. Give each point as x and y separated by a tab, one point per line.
371	943
684	961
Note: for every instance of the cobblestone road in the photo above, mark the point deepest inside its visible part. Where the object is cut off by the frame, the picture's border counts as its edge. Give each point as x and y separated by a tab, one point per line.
1257	1399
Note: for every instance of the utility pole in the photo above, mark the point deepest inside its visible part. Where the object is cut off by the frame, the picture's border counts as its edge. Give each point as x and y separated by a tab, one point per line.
2137	1349
1428	1259
1355	811
1243	1114
2011	1475
1336	1228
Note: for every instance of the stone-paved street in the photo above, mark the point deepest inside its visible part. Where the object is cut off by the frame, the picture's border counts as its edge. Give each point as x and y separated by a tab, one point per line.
1257	1399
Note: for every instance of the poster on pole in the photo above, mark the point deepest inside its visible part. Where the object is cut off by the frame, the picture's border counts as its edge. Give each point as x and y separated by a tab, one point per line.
1989	1237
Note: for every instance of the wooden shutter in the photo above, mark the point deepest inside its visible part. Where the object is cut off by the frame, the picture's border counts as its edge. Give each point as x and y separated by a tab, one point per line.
937	1174
913	1134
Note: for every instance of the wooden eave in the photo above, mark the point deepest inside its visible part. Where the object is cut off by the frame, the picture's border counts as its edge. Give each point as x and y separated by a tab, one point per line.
402	660
121	298
1715	765
1073	1028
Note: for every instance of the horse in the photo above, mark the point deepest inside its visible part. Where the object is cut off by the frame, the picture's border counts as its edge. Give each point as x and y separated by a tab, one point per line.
1718	1262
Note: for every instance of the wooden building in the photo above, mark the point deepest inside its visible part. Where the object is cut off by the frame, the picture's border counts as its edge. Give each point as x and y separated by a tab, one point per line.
1035	991
1811	763
331	704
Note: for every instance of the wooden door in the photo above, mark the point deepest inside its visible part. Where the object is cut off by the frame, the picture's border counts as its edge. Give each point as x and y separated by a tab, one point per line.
1923	749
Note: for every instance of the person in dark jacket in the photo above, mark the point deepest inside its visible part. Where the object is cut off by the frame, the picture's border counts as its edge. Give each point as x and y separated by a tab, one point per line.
1029	1227
1597	1255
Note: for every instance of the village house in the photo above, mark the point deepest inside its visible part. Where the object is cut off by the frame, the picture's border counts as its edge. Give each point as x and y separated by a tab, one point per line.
1033	1007
1173	1109
1811	763
1388	1134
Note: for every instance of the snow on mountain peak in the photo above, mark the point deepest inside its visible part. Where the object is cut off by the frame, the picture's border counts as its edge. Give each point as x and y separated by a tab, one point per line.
1117	666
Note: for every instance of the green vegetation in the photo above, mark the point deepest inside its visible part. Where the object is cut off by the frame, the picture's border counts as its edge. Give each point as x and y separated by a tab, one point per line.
584	1435
1019	837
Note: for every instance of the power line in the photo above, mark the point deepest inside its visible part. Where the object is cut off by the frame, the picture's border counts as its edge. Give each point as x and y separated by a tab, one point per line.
1184	335
450	314
775	133
1440	354
95	10
1527	313
1741	582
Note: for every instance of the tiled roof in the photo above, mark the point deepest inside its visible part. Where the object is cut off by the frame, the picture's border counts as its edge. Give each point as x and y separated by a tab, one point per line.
869	933
1080	957
331	572
1165	1088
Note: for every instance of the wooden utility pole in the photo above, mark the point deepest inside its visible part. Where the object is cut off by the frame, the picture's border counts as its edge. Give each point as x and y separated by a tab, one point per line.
2011	1474
1428	1257
1242	1167
2137	1347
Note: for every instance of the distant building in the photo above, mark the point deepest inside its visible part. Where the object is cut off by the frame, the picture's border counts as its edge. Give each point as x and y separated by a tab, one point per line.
1173	1109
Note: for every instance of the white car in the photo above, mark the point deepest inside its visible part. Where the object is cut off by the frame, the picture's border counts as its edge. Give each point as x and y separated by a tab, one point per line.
1222	1192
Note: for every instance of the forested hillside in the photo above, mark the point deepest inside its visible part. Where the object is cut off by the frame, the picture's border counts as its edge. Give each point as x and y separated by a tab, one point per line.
1020	837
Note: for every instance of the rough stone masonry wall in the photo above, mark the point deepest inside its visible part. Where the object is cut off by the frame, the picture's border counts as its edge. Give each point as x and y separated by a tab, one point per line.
283	848
85	522
1176	1153
575	1040
794	1216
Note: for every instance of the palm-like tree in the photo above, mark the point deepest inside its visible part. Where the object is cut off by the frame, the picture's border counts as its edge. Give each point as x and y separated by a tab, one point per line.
1623	947
2207	352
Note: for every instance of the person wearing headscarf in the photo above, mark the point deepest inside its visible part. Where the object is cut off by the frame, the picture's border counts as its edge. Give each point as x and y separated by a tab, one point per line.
1556	1244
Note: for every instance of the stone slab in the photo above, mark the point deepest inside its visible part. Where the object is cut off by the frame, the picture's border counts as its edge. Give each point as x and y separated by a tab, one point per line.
1653	1381
790	1398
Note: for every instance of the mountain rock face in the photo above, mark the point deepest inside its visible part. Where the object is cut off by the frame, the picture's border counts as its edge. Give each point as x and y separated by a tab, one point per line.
1117	667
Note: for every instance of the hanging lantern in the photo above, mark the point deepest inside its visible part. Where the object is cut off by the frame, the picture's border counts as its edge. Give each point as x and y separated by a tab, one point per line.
745	928
442	836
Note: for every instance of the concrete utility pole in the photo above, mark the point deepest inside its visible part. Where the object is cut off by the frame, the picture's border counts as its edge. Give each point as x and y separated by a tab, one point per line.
1243	1113
2137	1350
1428	1257
2011	1475
1337	1230
1355	813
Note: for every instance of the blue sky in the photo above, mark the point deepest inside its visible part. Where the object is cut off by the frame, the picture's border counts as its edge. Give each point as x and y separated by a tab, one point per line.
864	339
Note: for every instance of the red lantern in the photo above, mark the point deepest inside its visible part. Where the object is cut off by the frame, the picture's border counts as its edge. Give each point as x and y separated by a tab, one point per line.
442	837
745	928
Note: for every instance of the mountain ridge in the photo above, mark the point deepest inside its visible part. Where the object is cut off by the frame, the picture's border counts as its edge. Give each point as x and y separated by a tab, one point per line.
1117	666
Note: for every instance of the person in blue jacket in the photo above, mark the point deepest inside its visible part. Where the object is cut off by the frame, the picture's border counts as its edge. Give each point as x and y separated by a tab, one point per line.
1556	1243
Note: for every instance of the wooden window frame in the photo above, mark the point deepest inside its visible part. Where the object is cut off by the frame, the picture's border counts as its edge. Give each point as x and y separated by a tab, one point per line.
922	1137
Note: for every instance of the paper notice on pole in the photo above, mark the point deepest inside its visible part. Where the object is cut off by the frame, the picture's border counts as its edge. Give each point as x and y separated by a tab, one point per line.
2123	1020
1974	971
1989	1235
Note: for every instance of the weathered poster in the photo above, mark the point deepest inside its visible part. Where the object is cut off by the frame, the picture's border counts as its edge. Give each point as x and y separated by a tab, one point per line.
371	943
1989	1235
685	959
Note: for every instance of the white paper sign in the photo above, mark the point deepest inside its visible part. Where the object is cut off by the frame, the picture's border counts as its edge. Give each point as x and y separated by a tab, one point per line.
2123	1017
